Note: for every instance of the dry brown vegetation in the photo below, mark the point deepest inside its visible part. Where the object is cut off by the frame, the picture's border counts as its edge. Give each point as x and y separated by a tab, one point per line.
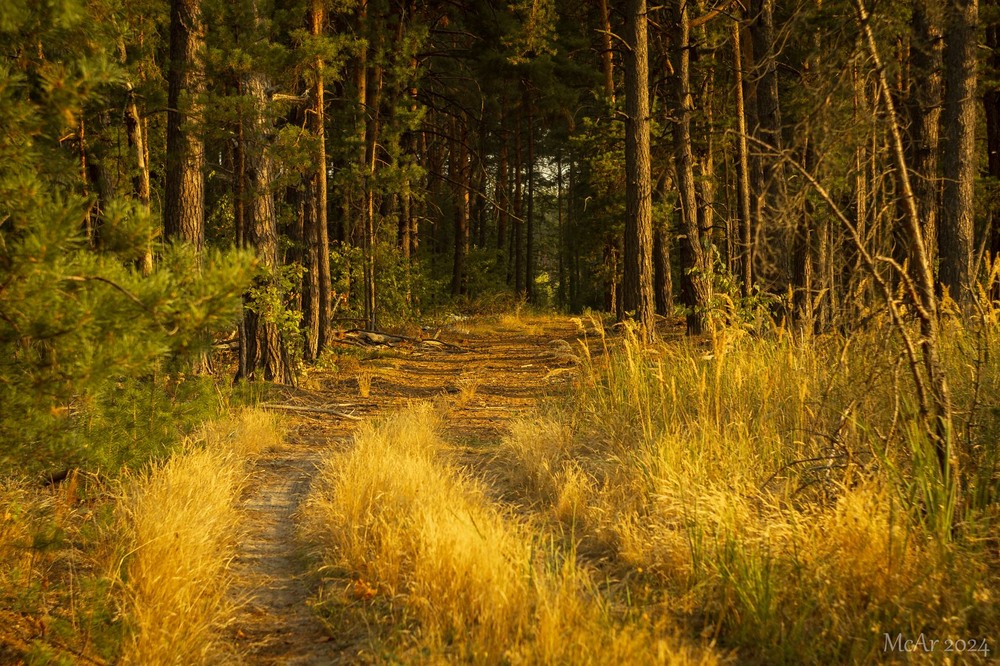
132	571
475	582
737	499
181	523
763	499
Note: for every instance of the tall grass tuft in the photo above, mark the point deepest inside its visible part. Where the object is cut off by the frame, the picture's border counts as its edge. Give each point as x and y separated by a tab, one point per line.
181	521
477	584
773	491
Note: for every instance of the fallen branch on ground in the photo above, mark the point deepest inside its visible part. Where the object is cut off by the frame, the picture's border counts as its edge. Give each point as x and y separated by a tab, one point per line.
316	410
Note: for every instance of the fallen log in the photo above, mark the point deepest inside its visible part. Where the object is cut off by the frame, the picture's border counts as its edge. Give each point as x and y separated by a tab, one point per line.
315	410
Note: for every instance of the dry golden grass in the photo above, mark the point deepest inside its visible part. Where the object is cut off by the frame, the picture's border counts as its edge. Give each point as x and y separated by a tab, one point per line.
747	484
364	379
480	584
180	520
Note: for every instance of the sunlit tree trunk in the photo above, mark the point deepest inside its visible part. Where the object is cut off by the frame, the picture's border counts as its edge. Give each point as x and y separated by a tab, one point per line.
696	267
184	191
745	243
638	269
265	354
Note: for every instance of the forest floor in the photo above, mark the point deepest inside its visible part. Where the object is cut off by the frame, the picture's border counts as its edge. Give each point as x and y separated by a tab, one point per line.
485	376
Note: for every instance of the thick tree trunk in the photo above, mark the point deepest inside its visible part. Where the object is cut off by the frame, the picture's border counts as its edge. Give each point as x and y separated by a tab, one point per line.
184	191
959	150
266	356
638	273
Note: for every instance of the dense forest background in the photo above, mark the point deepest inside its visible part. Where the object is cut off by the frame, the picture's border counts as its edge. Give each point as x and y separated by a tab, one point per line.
345	164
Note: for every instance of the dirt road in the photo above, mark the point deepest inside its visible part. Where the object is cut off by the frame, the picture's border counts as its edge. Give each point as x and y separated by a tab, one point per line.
490	376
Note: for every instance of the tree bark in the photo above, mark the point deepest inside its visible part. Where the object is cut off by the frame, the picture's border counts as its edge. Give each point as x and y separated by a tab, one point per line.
924	111
638	269
184	190
517	251
460	179
266	355
502	194
696	266
373	100
321	236
607	53
959	150
529	258
772	240
743	172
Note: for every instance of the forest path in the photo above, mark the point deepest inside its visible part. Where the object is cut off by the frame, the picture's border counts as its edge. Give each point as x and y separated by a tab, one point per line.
500	371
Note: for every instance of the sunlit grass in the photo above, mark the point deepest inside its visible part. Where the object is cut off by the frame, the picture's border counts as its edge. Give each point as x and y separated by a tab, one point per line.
769	491
478	583
180	521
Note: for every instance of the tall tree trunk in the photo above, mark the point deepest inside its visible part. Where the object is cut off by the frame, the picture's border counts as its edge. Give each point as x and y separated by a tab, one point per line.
184	191
373	101
517	251
529	259
743	172
239	180
607	53
638	273
316	313
769	178
696	266
611	297
502	194
311	280
991	103
460	179
959	149
137	142
663	282
266	356
321	236
924	114
705	130
560	233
